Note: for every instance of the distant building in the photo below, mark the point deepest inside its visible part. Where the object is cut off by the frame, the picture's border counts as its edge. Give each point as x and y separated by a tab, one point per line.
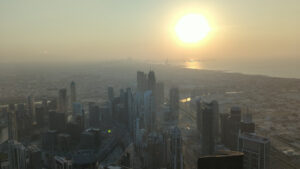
12	125
224	160
40	116
174	103
94	115
24	121
73	92
57	121
247	125
256	149
77	108
110	93
142	82
159	93
62	101
149	111
151	81
31	107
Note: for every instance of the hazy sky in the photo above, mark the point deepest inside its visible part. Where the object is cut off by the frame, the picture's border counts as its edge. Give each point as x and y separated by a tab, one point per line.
75	30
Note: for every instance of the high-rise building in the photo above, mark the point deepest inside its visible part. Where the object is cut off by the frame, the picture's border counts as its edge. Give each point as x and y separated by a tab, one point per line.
130	113
94	115
176	149
12	125
256	150
154	151
247	125
216	115
24	121
17	155
149	111
208	135
224	123
142	82
174	103
151	81
49	140
62	101
35	157
73	92
110	93
77	108
31	107
231	124
40	116
57	121
159	93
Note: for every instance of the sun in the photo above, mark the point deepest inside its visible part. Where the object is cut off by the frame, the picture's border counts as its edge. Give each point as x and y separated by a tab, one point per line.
192	28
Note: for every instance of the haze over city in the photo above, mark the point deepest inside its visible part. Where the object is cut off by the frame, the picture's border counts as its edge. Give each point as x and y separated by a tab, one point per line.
157	84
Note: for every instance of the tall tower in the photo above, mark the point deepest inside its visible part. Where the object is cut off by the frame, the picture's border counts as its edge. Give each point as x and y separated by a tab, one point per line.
151	81
208	138
256	151
12	125
176	149
62	101
73	92
174	103
31	107
149	110
110	93
17	155
141	81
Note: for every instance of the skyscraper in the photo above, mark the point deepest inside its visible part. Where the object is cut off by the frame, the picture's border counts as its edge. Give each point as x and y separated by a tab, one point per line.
160	93
174	103
208	124
35	157
256	150
16	155
151	81
31	107
231	124
141	81
12	125
176	149
62	101
94	115
149	110
110	93
73	92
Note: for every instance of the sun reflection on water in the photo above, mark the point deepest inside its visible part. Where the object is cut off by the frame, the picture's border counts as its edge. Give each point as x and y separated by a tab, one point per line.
192	65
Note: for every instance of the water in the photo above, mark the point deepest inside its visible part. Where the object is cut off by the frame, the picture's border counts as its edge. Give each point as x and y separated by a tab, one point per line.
276	68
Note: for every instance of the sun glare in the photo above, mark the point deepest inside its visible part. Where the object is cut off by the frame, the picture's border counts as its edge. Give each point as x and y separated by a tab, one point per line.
192	28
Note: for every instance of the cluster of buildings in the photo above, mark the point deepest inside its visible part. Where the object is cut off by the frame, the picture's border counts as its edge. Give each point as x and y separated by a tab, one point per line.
232	132
62	133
